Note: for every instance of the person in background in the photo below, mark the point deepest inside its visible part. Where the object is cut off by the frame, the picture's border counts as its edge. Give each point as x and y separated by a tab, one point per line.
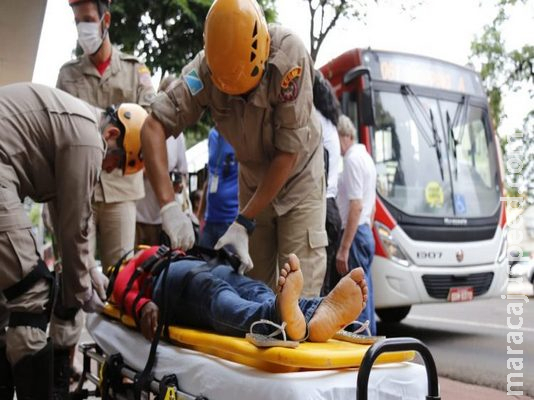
328	108
102	76
148	219
356	200
220	193
256	81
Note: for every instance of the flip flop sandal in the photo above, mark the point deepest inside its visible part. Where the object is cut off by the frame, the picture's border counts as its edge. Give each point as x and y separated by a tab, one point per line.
355	337
260	340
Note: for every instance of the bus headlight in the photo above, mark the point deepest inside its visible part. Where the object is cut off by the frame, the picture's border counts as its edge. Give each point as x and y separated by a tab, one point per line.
503	246
393	249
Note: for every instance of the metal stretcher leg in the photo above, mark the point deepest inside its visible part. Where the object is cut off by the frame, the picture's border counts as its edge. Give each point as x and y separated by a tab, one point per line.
394	345
113	375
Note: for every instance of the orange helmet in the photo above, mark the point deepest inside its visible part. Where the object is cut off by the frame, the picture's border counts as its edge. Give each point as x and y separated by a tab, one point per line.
129	117
236	44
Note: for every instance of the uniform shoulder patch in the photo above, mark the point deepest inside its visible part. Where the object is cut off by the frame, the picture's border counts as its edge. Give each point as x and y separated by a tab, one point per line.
289	85
193	82
291	75
144	76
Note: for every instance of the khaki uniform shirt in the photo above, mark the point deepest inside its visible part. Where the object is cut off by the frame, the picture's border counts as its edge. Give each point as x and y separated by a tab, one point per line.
274	116
51	150
125	80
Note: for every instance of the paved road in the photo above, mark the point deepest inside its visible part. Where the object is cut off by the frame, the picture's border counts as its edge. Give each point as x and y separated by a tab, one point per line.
468	340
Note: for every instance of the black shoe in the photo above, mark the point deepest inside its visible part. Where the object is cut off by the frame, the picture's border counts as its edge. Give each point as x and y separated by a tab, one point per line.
62	373
33	375
6	377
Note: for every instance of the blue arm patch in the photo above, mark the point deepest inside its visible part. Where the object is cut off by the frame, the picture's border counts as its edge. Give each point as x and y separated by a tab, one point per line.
194	83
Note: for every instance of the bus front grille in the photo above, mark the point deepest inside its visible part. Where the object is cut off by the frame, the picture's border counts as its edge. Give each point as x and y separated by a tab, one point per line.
438	286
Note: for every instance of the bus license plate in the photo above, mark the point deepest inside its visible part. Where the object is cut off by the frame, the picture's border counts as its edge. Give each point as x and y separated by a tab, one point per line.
457	294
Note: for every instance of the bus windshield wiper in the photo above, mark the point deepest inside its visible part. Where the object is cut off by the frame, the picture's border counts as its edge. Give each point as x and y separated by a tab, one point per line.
437	144
460	116
434	141
452	143
408	93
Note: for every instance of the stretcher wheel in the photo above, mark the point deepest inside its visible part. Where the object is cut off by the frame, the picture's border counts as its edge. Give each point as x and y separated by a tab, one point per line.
393	345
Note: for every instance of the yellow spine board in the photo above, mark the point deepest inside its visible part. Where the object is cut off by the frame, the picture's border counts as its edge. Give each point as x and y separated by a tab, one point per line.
333	354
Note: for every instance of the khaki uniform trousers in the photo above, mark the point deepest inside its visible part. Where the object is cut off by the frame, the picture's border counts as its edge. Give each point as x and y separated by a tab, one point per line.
114	224
18	254
300	231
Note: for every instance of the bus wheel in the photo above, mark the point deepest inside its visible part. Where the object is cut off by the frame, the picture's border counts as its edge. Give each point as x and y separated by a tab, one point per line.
393	314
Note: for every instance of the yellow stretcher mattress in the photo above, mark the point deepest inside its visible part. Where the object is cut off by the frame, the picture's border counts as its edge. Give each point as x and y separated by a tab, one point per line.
333	354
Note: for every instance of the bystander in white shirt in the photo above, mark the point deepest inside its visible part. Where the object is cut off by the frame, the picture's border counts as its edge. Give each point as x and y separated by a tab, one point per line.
331	144
357	182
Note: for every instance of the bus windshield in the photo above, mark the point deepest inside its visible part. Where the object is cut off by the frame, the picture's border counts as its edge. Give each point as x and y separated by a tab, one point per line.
435	158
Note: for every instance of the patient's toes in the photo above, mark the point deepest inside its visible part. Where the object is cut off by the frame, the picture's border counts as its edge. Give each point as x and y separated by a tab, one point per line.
358	275
294	262
281	282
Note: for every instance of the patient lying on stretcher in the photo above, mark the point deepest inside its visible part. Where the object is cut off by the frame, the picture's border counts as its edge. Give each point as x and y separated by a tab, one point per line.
219	299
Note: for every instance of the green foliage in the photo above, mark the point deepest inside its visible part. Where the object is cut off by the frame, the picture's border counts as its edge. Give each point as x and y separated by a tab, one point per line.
166	33
505	70
501	69
518	151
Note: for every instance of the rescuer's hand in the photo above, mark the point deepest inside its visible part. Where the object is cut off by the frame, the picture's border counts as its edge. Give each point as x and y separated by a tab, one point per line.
100	282
177	226
149	320
235	239
93	303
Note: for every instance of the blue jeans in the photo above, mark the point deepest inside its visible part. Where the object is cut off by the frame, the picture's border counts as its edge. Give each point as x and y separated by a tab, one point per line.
212	232
221	300
362	251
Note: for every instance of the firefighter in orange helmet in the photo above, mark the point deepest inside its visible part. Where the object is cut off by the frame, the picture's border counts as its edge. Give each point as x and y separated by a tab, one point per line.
52	147
256	80
102	76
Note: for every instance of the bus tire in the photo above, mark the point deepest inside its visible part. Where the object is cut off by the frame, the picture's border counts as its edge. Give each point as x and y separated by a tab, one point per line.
393	314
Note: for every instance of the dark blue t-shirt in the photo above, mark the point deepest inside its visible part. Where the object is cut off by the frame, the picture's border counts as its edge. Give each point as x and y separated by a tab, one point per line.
222	199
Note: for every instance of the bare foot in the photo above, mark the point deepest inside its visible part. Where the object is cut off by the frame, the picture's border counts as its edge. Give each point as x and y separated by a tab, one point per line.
342	306
289	289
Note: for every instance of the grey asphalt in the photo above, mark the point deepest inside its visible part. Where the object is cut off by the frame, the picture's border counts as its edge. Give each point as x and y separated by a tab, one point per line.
469	343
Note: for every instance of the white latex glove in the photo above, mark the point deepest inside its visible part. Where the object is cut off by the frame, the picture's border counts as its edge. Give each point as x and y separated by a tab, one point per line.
235	239
100	282
177	226
93	303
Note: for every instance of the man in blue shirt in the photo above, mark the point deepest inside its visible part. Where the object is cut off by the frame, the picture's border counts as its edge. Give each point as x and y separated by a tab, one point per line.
220	193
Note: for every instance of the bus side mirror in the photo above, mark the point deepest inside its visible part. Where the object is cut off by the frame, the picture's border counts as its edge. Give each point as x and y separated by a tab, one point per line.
366	112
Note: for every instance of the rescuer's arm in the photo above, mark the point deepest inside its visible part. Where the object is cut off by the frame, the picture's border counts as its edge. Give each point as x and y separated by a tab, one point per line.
154	147
353	218
175	223
77	169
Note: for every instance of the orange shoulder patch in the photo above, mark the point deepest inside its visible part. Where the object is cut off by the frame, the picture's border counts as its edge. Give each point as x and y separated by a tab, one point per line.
144	76
143	70
290	76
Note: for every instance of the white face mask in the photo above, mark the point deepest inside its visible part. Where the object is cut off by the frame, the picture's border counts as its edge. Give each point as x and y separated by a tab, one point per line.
89	36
